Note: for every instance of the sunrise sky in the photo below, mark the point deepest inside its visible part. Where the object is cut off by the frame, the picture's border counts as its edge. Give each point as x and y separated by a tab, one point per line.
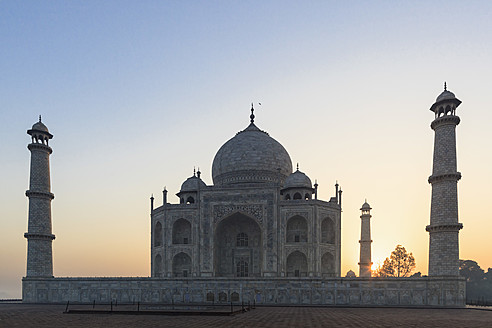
137	93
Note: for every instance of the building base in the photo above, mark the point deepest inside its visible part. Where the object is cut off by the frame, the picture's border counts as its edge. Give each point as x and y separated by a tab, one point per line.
406	292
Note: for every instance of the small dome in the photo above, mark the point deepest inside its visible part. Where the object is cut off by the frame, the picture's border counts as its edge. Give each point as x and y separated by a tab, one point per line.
365	206
298	180
192	184
445	95
39	126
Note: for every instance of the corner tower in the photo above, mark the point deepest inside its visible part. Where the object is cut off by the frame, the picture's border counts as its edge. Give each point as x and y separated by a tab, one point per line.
444	226
39	236
365	241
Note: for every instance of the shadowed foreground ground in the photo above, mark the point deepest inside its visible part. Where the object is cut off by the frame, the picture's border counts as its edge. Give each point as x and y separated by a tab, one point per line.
21	315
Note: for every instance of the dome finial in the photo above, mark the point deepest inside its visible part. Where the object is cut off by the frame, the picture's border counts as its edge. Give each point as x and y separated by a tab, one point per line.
297	166
252	116
445	86
194	171
39	118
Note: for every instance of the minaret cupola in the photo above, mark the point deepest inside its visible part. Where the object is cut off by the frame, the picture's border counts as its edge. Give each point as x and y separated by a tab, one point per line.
39	133
446	103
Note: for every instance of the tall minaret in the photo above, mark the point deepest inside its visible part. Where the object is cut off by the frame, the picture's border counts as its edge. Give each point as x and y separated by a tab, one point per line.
365	241
39	236
444	226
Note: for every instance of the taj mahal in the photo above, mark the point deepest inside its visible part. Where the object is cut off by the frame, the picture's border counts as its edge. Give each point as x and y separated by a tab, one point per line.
258	233
259	219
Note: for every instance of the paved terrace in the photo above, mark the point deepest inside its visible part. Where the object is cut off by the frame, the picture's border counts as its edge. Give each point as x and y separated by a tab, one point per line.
26	315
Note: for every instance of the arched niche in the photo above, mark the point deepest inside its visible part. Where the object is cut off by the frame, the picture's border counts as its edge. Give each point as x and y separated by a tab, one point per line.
181	265
328	265
235	297
297	264
297	230
157	266
158	234
327	231
182	232
238	241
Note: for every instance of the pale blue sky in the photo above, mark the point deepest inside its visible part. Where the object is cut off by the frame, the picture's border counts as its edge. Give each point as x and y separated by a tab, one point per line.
136	93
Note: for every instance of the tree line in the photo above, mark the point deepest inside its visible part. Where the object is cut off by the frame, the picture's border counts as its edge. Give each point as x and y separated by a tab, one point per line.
478	282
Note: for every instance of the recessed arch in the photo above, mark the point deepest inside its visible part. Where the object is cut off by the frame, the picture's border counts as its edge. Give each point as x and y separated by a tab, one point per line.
190	200
222	297
182	232
238	241
157	266
328	265
297	230
297	264
235	297
158	234
181	265
297	195
327	231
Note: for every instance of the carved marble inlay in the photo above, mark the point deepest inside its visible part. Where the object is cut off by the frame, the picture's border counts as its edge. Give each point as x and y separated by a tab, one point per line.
221	211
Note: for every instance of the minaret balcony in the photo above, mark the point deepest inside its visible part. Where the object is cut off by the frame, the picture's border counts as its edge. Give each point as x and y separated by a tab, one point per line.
445	120
445	177
450	227
41	236
40	194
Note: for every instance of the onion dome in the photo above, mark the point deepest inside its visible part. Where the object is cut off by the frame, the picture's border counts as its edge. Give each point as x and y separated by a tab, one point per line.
445	95
192	184
298	180
365	207
39	126
252	156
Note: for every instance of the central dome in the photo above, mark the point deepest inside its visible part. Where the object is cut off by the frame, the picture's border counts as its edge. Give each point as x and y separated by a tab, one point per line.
252	156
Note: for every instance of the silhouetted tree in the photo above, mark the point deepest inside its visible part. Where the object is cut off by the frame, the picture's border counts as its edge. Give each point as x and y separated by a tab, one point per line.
471	270
478	283
399	264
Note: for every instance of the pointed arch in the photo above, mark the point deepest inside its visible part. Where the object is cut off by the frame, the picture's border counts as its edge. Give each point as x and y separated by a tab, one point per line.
157	266
328	265
182	265
158	234
296	264
182	232
297	230
238	246
327	231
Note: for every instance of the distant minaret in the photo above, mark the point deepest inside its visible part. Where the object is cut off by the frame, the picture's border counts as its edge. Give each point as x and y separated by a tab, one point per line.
444	226
365	241
39	236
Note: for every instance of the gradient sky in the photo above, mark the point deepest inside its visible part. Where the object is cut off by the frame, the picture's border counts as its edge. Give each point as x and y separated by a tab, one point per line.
137	93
